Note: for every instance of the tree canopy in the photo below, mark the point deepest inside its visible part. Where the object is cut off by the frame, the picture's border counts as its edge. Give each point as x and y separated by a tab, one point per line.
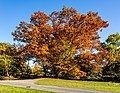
112	45
66	42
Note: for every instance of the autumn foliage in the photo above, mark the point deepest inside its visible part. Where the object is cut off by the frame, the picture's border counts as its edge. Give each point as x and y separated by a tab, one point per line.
66	41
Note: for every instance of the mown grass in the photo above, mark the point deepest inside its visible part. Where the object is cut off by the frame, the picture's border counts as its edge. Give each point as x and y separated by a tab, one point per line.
10	89
92	85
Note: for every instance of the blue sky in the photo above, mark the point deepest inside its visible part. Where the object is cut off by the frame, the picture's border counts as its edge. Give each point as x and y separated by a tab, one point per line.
14	11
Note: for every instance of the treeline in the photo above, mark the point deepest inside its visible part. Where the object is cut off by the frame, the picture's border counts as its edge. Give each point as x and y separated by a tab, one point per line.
64	44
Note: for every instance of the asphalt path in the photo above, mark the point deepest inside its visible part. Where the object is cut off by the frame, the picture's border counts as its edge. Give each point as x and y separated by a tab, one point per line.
30	84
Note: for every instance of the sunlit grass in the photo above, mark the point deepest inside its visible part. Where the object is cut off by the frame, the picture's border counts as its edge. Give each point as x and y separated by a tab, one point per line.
92	85
10	89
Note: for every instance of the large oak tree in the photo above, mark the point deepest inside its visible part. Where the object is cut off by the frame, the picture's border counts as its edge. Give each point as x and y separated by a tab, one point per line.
66	41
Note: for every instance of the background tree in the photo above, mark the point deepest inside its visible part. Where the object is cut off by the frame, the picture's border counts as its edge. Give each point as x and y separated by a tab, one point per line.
20	65
112	45
6	52
57	39
11	61
37	70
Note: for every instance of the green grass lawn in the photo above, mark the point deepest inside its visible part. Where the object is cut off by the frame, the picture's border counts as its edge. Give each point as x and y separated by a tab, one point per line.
10	89
92	85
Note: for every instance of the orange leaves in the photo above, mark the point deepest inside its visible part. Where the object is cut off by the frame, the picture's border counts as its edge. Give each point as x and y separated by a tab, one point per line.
58	37
77	72
44	49
38	50
39	18
105	24
83	16
76	17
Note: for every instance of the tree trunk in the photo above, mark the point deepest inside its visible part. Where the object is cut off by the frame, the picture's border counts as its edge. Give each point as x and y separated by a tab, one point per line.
7	73
6	68
44	68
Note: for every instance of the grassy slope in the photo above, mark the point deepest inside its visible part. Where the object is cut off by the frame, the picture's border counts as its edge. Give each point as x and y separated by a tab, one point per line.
10	89
103	86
